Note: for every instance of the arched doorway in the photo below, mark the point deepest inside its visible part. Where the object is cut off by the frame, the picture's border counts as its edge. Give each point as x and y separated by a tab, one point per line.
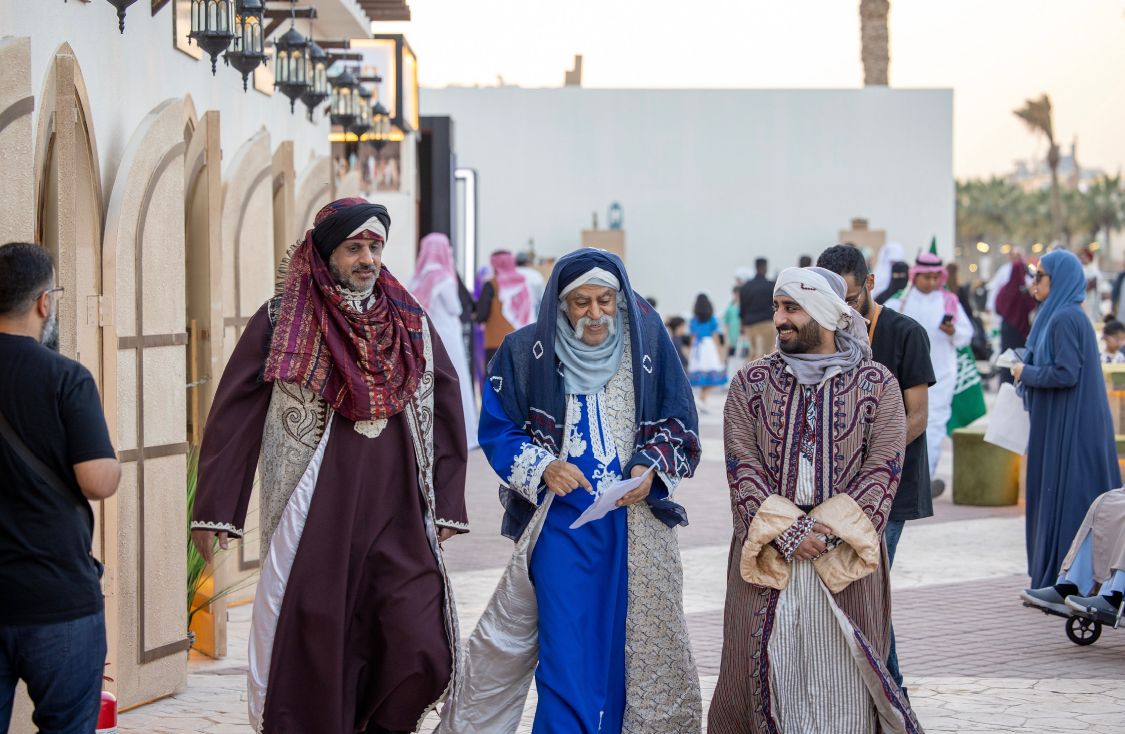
143	275
69	207
248	268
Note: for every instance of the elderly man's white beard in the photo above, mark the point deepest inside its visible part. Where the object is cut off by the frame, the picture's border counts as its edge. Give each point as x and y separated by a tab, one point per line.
580	327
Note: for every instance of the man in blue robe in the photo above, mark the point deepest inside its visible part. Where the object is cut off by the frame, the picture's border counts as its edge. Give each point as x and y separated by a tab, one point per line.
590	395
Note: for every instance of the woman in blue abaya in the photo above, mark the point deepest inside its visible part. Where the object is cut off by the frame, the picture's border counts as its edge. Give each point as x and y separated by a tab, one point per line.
1071	452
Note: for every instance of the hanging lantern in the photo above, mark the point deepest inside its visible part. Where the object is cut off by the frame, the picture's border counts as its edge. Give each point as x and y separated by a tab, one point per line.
380	126
212	26
317	74
344	108
247	50
362	123
290	71
121	5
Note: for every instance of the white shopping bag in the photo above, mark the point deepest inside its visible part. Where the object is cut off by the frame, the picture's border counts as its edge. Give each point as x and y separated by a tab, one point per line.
1008	422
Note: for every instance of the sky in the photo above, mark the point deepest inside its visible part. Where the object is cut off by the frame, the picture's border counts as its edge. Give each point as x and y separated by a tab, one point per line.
994	54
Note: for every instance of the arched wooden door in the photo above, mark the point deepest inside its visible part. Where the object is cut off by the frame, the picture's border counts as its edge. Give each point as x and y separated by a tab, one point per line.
248	268
145	364
68	222
203	211
69	207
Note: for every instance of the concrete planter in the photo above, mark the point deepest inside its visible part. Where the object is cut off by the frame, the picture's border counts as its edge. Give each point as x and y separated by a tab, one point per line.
983	474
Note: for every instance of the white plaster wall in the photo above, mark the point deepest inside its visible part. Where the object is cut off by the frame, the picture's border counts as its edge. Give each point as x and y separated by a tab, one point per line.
709	179
127	75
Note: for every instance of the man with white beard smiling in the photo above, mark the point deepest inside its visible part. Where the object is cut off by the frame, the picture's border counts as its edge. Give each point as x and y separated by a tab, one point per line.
589	395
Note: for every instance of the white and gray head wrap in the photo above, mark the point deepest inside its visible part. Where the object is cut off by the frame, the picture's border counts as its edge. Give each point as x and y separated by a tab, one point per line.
821	294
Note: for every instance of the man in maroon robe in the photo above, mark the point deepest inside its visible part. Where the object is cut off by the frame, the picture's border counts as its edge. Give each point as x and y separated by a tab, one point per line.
347	405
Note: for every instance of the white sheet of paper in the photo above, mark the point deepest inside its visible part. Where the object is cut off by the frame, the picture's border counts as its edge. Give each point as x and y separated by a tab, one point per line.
1008	359
606	502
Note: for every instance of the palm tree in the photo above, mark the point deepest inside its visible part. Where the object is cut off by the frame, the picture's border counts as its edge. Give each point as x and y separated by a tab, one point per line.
875	41
1105	201
1036	113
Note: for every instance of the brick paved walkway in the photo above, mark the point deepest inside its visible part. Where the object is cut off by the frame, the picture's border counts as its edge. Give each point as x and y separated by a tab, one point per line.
975	660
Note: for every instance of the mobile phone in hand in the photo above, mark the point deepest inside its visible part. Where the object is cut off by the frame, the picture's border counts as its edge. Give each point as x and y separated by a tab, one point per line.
947	319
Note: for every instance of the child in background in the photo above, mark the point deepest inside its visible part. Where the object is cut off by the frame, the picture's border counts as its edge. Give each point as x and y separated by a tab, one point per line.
1113	336
677	330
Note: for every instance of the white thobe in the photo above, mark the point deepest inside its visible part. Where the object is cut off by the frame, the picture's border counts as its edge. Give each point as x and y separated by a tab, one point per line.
928	309
444	311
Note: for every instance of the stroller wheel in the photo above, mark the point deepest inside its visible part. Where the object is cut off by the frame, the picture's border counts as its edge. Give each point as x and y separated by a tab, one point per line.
1083	630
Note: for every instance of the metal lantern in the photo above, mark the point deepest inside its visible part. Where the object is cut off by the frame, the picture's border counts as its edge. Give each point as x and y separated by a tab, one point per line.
290	71
344	108
380	126
247	50
363	122
121	5
319	89
212	26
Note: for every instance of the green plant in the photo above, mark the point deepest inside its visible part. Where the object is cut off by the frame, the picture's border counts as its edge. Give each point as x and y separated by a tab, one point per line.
196	566
198	571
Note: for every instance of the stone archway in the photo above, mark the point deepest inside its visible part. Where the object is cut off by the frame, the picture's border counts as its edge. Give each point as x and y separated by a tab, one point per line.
145	293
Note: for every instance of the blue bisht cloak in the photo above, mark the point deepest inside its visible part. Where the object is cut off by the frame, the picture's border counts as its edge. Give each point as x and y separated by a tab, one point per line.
525	382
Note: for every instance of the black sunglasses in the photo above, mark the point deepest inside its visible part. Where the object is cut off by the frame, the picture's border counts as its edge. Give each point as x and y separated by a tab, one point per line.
1041	275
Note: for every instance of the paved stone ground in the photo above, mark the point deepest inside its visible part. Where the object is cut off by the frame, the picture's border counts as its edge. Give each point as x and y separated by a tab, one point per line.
975	660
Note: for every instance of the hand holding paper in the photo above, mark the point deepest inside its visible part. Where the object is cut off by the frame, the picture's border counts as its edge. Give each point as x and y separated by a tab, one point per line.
606	500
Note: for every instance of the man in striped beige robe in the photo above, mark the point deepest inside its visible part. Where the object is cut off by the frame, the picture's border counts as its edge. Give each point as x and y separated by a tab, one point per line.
815	436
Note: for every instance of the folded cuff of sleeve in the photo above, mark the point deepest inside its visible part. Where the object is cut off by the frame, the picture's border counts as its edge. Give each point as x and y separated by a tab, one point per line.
858	555
761	563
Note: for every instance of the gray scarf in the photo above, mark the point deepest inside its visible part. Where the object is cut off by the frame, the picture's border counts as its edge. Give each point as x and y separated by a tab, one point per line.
813	369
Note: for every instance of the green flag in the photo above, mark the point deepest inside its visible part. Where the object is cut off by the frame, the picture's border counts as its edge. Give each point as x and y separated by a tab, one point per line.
968	393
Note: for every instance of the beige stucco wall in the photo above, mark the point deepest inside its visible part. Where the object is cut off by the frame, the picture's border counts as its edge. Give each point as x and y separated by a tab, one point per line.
17	185
314	190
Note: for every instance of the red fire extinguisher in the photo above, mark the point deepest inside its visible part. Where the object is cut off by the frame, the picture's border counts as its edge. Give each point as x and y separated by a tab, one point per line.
107	714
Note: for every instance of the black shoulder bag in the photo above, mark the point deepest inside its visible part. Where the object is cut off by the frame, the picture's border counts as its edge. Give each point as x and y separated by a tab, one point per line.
38	467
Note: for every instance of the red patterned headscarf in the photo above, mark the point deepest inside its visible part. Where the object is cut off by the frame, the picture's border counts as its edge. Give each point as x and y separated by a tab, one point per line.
366	365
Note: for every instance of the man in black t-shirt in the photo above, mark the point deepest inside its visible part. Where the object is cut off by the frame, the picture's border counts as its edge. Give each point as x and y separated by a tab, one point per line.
55	455
900	344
